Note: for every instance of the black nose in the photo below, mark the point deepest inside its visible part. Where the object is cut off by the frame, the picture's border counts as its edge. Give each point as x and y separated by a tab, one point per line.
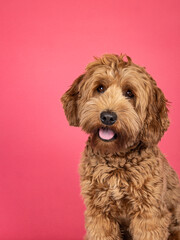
108	118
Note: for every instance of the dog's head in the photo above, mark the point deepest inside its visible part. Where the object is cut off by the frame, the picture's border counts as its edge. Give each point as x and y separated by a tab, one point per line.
118	103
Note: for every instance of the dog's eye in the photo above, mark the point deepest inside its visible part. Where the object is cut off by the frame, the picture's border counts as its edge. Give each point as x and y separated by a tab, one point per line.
129	94
101	89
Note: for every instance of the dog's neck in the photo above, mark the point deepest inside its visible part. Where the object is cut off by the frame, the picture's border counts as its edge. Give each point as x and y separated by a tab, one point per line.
136	151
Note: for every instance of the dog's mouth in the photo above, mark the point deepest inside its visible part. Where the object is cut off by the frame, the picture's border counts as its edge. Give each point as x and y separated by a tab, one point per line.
106	134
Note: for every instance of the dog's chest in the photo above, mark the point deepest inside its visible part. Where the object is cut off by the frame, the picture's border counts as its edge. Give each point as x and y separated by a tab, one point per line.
113	184
107	184
110	188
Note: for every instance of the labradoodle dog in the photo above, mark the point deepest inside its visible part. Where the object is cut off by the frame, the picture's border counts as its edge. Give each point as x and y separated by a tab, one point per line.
129	189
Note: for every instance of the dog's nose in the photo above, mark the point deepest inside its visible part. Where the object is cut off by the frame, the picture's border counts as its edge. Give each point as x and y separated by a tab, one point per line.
108	118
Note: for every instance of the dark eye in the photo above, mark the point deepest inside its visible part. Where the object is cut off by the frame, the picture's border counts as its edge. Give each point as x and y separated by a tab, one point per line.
101	89
129	94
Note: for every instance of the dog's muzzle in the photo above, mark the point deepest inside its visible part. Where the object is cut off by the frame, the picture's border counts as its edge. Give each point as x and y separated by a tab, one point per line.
108	118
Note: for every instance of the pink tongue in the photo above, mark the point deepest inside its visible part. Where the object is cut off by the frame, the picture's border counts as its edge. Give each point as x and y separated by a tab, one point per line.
106	134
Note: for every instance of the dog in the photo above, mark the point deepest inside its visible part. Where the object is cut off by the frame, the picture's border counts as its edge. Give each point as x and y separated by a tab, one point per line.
129	189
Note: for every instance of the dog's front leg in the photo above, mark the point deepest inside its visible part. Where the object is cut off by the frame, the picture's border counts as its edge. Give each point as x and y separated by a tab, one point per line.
101	227
150	226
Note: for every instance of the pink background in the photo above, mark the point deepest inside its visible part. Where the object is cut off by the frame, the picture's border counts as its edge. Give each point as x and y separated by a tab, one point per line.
44	46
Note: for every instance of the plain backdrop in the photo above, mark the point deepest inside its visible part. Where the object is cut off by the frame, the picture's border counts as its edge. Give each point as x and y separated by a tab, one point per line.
44	46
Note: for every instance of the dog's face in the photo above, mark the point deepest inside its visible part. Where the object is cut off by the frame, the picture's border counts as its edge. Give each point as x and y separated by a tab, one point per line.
118	104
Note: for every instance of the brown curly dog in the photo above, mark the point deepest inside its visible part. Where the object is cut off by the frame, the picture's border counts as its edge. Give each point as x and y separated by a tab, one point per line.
129	189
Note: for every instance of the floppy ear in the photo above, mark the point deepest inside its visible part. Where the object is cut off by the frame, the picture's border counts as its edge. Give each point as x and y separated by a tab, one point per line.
69	101
156	122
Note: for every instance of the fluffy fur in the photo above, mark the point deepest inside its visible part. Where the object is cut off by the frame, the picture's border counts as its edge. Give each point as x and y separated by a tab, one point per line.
129	189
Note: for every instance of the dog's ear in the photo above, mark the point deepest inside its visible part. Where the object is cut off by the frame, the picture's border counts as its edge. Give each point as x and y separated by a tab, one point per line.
69	101
156	122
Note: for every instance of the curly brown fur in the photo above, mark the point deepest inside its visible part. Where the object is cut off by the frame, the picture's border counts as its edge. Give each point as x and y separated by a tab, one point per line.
129	189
